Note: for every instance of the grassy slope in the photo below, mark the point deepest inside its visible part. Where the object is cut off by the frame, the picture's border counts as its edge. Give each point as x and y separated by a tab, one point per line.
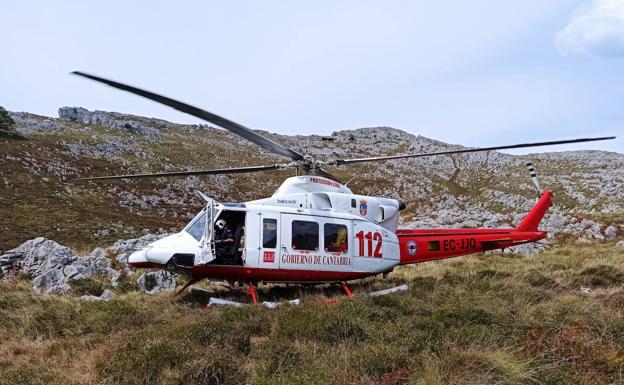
499	318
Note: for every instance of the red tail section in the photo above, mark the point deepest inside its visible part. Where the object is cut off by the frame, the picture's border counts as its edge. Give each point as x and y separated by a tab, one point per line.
429	244
535	216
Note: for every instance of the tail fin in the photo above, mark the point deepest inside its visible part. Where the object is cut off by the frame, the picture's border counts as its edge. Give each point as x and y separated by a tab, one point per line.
534	217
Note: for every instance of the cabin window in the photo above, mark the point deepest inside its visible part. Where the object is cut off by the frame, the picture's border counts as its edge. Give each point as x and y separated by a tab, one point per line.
269	233
336	238
433	246
352	202
305	235
198	227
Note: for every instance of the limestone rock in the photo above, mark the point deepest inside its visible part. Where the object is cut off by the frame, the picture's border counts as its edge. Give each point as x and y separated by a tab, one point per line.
107	295
125	122
52	281
157	281
528	248
620	245
52	266
610	233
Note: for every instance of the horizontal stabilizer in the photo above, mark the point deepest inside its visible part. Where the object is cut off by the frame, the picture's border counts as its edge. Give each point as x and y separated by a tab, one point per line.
495	243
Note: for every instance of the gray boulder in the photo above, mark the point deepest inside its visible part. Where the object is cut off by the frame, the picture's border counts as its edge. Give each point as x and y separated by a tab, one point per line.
107	295
620	245
157	281
52	266
52	282
35	256
610	233
528	248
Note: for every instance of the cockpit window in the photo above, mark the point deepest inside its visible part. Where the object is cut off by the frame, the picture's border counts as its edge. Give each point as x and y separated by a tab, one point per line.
197	228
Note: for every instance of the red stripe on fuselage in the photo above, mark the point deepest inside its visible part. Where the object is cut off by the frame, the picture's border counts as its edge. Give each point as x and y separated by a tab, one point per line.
245	274
241	273
146	265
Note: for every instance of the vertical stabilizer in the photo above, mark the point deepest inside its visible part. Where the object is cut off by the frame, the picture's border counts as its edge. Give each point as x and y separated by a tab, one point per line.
535	216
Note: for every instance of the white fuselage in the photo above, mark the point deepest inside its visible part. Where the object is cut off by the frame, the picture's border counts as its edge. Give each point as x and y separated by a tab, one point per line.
310	224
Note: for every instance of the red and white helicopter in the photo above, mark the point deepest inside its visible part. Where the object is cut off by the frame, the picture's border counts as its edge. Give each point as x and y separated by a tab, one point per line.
313	229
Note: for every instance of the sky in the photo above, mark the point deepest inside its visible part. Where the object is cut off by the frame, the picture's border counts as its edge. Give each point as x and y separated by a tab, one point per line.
470	72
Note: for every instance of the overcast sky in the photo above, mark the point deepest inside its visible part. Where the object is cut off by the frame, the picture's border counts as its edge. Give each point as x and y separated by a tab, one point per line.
469	72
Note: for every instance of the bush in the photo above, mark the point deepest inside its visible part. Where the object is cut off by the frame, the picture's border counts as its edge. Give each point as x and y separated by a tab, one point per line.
6	122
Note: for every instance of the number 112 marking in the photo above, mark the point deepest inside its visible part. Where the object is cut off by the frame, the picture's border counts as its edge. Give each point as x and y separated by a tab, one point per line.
370	237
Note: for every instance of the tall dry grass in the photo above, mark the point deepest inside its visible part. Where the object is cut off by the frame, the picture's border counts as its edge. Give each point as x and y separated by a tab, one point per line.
485	319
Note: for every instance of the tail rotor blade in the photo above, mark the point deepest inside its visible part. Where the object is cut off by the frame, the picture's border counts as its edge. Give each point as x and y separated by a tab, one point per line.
533	176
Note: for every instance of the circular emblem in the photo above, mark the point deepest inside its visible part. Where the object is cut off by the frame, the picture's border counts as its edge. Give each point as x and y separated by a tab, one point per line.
412	247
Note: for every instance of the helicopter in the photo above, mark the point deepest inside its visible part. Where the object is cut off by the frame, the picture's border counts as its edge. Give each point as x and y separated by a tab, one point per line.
313	229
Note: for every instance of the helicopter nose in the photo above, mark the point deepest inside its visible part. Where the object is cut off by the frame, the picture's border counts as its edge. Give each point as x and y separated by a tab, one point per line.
139	259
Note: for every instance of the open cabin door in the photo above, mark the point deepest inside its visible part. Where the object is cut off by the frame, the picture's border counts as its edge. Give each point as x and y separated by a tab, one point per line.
207	252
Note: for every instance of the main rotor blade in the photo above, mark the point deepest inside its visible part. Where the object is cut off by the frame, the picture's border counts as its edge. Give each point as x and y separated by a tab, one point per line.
340	162
229	125
326	174
235	170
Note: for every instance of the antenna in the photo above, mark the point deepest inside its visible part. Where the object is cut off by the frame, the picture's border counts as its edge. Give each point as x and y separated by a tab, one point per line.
370	190
349	181
533	176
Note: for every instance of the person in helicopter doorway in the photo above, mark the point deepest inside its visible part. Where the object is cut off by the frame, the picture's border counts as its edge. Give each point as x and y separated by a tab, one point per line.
223	240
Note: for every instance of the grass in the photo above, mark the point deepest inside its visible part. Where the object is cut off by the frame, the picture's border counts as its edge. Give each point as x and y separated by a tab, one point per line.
496	319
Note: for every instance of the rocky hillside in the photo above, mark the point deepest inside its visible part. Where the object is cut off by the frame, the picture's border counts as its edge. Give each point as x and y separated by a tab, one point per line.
39	195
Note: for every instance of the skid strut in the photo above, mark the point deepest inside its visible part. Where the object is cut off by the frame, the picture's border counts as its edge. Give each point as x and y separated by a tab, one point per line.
251	290
192	281
346	289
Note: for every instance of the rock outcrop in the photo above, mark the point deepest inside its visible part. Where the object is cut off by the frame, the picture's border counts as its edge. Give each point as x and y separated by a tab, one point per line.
125	122
52	266
157	281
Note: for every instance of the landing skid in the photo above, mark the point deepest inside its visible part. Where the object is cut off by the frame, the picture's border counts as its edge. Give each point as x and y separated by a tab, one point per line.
272	305
191	282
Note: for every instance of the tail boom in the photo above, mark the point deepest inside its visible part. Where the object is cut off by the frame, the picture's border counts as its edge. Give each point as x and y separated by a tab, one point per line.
423	245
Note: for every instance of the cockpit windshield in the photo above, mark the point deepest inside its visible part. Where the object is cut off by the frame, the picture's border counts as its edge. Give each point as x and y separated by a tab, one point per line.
197	227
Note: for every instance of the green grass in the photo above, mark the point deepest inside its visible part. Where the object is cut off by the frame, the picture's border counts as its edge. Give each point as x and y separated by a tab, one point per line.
496	319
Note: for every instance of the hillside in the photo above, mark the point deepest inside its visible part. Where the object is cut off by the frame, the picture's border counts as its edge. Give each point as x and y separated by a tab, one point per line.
40	196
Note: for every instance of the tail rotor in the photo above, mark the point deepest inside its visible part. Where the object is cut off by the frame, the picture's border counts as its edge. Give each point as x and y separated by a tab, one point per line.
533	176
